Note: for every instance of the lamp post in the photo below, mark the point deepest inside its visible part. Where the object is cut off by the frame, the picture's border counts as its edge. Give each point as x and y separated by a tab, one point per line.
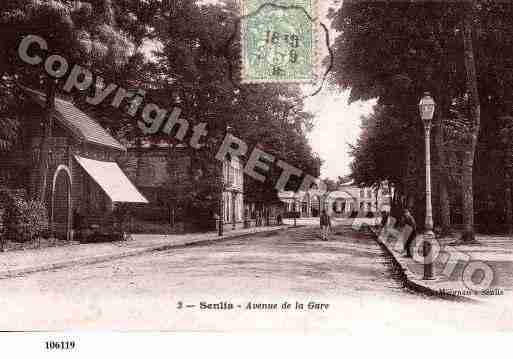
427	111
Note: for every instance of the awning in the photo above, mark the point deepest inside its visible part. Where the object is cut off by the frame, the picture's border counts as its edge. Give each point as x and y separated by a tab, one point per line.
112	180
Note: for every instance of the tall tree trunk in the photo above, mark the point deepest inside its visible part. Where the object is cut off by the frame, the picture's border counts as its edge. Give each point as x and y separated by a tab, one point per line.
508	181
139	161
444	98
445	206
46	140
509	206
475	123
377	193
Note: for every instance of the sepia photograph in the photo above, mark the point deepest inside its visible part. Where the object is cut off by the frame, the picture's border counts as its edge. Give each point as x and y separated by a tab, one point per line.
271	166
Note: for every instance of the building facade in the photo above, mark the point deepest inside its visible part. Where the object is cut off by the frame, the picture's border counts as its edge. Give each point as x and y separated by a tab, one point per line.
168	174
83	175
347	200
233	194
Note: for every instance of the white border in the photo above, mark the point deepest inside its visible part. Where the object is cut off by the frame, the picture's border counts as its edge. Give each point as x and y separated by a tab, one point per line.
257	345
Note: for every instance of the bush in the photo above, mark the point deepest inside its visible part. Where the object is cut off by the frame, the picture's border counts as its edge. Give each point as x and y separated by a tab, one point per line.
25	220
7	198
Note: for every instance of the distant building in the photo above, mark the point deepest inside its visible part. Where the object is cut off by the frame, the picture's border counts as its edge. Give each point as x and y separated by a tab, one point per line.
306	203
365	199
343	202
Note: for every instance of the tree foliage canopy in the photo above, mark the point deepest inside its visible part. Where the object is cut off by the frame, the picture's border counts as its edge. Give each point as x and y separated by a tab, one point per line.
181	53
397	50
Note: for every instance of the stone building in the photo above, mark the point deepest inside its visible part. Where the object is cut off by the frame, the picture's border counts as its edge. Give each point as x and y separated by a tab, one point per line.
83	174
155	168
233	194
343	202
365	199
306	203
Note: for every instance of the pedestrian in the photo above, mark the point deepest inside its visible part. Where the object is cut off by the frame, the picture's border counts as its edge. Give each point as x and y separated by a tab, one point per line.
325	222
409	221
384	218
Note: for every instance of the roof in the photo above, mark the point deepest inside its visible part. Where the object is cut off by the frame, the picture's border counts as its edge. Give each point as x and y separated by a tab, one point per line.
82	126
290	194
340	194
112	180
350	183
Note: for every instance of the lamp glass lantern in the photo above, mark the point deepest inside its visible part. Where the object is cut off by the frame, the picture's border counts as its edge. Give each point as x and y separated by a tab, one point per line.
427	108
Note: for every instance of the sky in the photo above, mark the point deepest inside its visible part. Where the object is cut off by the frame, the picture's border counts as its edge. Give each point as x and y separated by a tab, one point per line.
337	124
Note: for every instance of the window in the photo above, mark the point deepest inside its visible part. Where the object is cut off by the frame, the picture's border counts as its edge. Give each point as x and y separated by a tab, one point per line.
241	207
237	177
226	174
235	209
227	207
362	193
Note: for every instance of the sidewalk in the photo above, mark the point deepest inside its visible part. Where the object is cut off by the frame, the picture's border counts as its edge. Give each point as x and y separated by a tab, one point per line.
343	221
17	263
494	252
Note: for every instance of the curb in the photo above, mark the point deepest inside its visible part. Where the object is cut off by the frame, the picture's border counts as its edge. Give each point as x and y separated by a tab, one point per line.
416	285
128	253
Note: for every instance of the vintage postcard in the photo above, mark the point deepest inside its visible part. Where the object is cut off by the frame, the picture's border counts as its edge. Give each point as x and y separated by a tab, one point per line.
145	186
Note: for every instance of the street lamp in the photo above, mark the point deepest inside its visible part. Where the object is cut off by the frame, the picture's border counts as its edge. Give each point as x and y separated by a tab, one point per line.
427	111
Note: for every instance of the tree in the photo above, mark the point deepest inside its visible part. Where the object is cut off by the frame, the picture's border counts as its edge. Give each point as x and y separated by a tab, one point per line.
82	32
194	65
9	122
392	49
398	62
475	123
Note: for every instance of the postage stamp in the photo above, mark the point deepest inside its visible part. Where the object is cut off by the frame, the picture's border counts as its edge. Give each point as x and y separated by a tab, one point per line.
279	41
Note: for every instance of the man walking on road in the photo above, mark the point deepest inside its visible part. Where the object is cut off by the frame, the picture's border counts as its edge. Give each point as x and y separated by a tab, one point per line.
325	225
408	220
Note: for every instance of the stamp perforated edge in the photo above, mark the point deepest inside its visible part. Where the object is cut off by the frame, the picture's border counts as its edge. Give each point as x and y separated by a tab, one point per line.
315	49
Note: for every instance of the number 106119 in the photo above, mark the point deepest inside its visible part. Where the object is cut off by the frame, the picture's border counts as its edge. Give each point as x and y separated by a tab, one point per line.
63	345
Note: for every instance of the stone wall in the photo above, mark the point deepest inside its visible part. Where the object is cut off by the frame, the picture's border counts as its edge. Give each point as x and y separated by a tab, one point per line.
151	170
155	168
